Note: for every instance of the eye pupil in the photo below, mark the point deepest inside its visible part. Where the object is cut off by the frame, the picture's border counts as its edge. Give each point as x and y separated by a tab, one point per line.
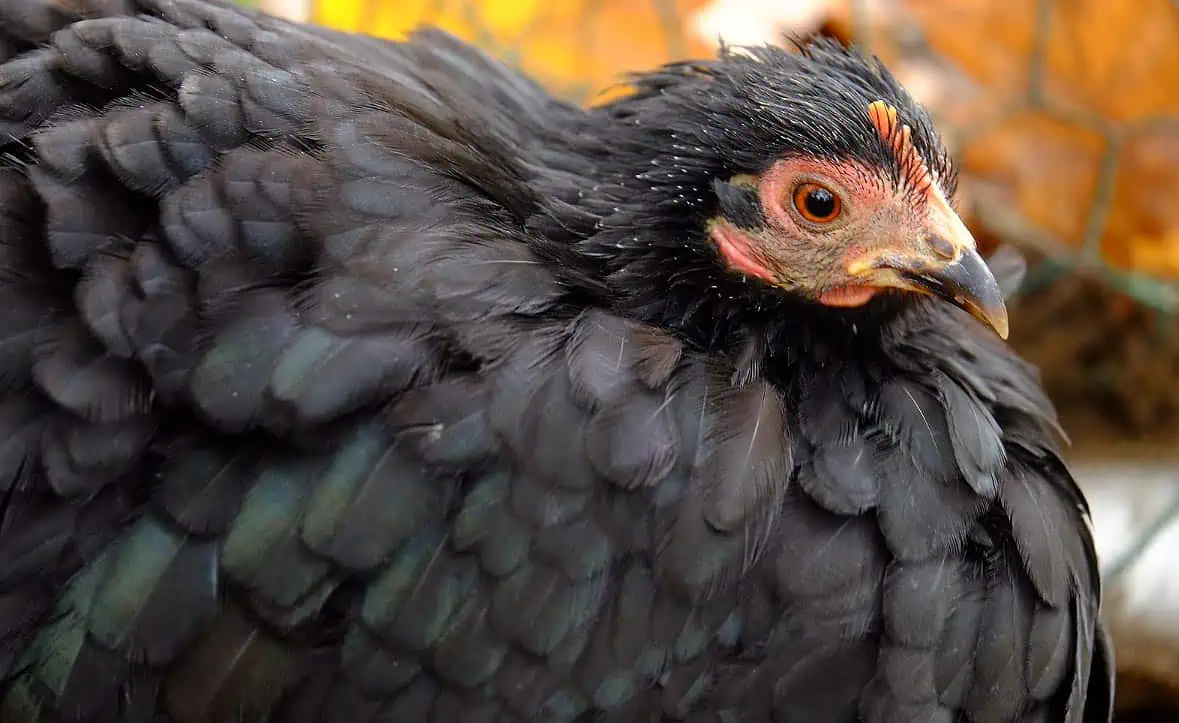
816	203
820	203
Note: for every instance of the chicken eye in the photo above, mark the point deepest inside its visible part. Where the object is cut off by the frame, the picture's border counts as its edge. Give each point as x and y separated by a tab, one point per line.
816	203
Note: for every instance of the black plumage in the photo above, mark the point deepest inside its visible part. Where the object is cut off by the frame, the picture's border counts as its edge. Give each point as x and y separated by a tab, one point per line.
349	380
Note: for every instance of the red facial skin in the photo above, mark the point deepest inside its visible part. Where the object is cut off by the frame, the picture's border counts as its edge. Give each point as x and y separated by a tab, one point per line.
813	257
884	234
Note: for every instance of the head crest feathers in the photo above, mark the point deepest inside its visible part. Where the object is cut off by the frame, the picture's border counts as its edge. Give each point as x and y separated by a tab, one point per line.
898	137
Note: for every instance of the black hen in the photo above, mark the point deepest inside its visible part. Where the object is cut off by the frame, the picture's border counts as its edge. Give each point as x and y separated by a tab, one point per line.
345	380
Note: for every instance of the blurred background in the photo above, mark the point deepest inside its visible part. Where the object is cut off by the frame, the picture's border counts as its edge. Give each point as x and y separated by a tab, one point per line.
1064	115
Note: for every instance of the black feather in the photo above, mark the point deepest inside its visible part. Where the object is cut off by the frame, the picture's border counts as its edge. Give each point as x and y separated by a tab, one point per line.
347	380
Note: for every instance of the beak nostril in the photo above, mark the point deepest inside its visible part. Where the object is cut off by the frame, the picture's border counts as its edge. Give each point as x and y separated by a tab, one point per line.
942	247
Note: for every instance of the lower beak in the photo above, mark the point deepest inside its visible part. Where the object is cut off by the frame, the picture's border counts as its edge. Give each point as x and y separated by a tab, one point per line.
966	282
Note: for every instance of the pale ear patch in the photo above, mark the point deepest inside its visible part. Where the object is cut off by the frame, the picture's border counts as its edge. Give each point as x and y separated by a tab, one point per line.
898	136
744	180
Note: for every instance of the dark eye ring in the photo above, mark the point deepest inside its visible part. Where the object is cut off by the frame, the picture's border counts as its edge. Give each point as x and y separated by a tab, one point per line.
816	203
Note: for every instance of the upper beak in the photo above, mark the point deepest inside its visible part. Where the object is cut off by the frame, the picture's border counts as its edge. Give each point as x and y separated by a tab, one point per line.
944	263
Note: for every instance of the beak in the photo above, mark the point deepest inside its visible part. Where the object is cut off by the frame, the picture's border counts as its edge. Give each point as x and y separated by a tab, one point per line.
943	263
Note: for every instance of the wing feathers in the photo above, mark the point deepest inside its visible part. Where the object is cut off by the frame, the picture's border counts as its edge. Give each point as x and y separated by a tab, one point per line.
298	421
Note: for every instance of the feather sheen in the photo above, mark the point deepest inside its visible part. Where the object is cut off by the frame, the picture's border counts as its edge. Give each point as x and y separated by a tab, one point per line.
347	380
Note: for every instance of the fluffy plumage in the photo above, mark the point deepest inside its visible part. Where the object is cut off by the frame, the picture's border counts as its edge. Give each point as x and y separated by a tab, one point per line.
346	380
